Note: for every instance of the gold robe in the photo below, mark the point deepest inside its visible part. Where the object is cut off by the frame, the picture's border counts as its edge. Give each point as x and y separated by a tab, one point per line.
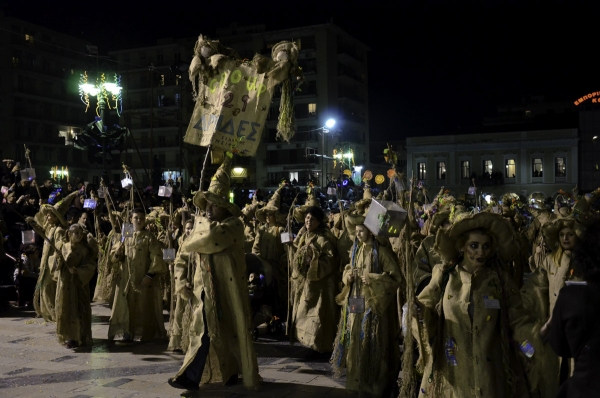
46	285
73	309
217	251
366	344
137	311
472	354
314	287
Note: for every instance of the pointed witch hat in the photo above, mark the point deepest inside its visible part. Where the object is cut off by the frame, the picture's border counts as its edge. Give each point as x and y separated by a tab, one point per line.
218	190
300	212
271	207
59	210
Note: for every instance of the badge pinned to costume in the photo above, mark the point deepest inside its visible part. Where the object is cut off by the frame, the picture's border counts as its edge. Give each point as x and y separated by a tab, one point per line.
526	348
491	303
169	254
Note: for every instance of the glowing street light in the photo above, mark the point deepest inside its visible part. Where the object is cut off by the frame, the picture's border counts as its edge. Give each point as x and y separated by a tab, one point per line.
328	125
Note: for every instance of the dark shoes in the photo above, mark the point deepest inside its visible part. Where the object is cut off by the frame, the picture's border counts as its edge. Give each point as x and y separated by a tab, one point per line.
183	383
71	344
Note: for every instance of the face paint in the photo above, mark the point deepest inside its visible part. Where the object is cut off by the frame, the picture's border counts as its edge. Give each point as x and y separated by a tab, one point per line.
477	250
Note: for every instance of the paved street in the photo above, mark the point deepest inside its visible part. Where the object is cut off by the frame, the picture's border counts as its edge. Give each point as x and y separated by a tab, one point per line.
34	364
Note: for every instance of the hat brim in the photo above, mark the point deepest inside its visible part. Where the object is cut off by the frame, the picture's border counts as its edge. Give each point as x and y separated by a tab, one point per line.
261	214
201	197
551	230
445	241
45	209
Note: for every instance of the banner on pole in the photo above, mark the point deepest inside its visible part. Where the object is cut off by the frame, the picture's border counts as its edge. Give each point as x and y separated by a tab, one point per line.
231	109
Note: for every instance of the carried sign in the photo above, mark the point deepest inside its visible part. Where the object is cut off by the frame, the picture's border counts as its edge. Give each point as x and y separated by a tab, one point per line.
231	109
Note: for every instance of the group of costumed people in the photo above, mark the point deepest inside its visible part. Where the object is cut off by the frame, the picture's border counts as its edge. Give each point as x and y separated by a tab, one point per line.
471	295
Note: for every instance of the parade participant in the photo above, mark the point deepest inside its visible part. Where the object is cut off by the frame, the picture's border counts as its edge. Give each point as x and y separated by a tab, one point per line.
176	342
220	337
541	289
54	226
366	342
268	247
314	284
75	268
575	322
471	313
108	267
137	307
426	258
248	218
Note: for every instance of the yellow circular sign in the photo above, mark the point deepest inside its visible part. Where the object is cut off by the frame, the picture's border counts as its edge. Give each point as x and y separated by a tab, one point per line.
367	175
379	179
348	173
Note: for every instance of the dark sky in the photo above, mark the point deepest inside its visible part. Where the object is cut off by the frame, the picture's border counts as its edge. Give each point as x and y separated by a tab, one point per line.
433	68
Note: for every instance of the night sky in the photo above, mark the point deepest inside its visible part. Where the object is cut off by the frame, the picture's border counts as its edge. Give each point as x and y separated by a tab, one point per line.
433	69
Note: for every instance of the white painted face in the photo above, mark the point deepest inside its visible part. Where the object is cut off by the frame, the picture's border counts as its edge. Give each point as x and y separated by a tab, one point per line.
282	55
206	51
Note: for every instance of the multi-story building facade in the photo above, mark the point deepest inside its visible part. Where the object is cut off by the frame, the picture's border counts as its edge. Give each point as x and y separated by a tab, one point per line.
39	97
335	67
521	162
157	106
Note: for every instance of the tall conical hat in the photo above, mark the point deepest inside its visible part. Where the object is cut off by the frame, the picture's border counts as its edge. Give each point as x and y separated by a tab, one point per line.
218	190
59	210
300	212
367	194
271	207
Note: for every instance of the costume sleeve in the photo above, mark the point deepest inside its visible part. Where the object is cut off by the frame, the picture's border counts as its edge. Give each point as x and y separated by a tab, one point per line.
157	264
181	269
535	292
382	286
210	237
325	264
421	266
85	270
429	298
256	245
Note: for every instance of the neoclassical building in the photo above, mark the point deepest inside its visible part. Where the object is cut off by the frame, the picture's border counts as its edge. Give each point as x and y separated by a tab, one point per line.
522	162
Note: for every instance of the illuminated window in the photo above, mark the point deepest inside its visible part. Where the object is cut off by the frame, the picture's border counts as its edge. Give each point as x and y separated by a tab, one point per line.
162	80
487	168
422	170
29	38
294	177
537	167
441	170
15	61
465	168
560	167
511	168
312	109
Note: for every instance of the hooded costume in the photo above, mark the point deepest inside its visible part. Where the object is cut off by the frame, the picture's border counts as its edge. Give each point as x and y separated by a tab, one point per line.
220	331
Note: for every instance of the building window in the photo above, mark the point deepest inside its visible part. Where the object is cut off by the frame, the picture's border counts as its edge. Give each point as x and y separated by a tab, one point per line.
162	140
312	109
294	177
29	38
537	169
511	168
162	80
422	171
465	168
560	167
441	170
487	168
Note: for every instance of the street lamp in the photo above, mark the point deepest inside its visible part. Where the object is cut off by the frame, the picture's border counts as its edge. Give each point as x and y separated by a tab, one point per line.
107	94
328	125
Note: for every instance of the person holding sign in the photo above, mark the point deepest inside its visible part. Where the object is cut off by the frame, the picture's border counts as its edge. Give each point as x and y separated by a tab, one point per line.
220	344
365	344
470	318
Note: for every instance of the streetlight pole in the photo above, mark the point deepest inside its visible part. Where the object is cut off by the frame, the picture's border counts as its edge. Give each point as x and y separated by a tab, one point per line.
328	125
